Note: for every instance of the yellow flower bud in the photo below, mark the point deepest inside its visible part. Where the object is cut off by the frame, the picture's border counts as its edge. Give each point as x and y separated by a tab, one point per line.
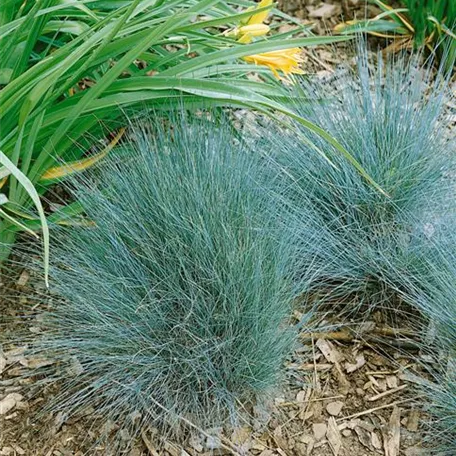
259	18
247	32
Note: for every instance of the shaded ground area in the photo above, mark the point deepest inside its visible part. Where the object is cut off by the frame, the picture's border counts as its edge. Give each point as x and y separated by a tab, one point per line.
325	15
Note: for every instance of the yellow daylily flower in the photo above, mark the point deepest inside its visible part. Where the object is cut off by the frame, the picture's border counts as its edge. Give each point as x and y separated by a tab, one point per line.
259	18
247	32
285	60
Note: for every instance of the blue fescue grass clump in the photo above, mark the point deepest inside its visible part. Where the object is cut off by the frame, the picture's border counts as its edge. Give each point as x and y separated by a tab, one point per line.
441	394
363	248
364	241
435	296
175	303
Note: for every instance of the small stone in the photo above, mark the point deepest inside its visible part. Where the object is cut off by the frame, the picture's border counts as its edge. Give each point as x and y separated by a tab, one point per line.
346	433
334	408
75	368
134	416
319	430
106	429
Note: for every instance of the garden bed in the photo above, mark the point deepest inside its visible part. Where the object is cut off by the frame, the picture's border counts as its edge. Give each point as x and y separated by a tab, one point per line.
349	388
347	392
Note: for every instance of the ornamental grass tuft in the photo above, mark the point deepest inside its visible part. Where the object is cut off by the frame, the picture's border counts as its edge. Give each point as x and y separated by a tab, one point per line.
441	407
174	303
435	296
360	246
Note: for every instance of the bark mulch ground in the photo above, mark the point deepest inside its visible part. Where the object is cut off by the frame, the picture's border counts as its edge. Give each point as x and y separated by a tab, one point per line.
346	392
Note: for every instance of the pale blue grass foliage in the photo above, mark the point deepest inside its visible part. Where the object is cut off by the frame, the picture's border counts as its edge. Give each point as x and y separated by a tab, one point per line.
365	244
364	249
175	304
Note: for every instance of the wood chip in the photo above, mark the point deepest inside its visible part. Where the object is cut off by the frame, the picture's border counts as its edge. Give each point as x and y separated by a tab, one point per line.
35	363
267	453
319	430
360	362
241	435
392	435
2	364
413	420
328	350
14	355
364	437
9	402
172	449
23	279
333	436
375	441
386	393
279	439
19	451
149	446
311	367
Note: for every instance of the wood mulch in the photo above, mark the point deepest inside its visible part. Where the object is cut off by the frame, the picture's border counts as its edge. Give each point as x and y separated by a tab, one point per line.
346	392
